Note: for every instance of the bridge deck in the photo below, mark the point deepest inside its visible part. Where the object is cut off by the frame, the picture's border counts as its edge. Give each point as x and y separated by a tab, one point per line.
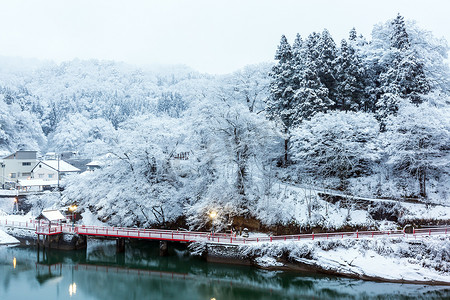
43	228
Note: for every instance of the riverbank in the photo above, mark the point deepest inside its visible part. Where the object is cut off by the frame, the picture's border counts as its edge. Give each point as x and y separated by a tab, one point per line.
396	260
7	240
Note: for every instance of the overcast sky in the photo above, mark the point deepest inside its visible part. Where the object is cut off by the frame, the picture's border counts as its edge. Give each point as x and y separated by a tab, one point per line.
210	36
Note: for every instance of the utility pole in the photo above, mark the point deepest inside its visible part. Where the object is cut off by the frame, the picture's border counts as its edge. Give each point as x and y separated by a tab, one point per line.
58	172
3	175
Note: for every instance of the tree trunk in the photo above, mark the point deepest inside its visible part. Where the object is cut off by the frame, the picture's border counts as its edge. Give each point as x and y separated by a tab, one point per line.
286	147
422	182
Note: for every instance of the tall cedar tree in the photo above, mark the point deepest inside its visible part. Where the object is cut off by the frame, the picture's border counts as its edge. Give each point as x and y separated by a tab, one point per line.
404	73
350	76
281	103
326	63
312	94
298	60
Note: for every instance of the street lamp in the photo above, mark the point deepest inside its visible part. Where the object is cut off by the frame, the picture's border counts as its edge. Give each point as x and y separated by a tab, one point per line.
213	216
72	209
16	204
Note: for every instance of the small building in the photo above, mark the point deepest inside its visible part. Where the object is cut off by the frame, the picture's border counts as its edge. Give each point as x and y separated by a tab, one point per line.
100	162
52	169
17	166
63	155
50	156
52	216
93	165
36	185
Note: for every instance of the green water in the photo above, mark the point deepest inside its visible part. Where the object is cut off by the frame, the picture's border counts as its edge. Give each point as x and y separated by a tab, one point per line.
139	273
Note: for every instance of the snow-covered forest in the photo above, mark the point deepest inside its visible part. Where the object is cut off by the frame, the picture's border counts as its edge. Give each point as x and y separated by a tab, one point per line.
366	116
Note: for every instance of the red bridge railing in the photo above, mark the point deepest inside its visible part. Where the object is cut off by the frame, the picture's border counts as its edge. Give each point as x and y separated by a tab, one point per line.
47	228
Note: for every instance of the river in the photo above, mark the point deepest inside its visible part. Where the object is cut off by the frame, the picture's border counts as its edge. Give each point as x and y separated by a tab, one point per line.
140	273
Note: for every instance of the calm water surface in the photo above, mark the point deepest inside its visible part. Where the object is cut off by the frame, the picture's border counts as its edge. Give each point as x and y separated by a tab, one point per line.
139	273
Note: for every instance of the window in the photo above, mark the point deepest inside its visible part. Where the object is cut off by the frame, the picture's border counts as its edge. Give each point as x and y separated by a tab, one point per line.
50	175
41	175
26	163
26	174
13	175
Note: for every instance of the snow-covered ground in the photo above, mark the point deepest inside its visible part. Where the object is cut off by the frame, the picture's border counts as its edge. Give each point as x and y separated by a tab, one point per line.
17	231
302	205
89	219
6	239
425	260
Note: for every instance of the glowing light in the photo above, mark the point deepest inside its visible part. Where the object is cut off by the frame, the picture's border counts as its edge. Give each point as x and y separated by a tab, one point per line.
14	262
213	298
213	214
72	289
73	208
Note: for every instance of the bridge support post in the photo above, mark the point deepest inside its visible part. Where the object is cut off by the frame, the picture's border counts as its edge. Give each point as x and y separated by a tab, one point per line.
163	248
120	245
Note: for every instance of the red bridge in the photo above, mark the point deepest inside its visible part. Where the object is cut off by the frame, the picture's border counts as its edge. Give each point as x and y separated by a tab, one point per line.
44	228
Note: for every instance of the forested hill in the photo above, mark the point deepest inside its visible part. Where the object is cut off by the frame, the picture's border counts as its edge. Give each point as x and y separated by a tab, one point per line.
367	116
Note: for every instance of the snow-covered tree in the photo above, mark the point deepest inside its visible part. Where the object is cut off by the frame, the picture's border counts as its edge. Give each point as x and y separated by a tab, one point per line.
281	105
251	86
171	104
299	56
352	35
19	129
399	37
350	77
418	142
386	106
312	95
403	72
78	133
337	144
234	147
326	63
137	184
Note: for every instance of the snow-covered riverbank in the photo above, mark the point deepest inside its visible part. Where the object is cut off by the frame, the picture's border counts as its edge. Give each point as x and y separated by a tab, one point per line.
396	260
6	239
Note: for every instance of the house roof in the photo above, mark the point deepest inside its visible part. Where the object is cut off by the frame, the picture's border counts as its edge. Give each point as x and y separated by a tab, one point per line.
94	163
22	154
79	163
53	164
52	215
37	182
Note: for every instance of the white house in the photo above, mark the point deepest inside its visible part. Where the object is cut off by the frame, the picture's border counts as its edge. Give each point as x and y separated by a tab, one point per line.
49	169
17	166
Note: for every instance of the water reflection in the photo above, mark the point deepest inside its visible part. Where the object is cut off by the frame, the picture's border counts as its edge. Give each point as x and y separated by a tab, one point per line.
72	289
139	273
